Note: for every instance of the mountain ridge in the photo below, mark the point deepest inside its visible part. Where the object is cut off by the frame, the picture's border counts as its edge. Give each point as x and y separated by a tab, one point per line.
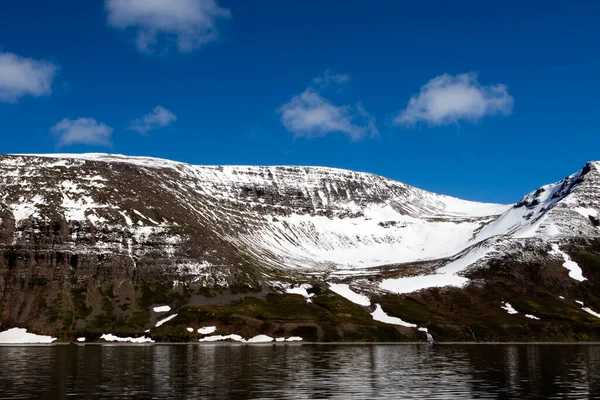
157	231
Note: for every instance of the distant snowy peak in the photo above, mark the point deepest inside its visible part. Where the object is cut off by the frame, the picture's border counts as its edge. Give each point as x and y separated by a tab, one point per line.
583	185
565	208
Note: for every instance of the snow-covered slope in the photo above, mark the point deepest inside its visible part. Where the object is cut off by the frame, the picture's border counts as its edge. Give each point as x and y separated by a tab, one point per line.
285	216
282	216
561	208
545	218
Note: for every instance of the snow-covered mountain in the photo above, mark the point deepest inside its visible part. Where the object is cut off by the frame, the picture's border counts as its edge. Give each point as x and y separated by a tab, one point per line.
297	217
283	216
117	218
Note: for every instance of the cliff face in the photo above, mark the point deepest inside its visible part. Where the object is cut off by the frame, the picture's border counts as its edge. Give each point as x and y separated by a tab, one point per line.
92	243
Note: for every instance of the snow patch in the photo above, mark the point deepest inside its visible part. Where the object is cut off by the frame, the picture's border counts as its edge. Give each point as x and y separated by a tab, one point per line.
75	209
509	308
260	339
575	271
81	339
112	338
415	283
301	290
381	316
21	336
26	209
207	330
531	316
586	212
219	338
190	330
344	290
161	309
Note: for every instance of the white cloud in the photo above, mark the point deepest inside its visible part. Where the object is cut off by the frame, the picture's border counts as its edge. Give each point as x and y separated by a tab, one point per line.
83	131
311	115
20	77
189	23
447	99
158	118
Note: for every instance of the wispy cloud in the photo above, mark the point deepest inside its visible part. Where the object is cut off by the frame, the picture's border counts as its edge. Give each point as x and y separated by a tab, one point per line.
20	77
189	24
309	114
83	131
158	118
329	77
448	99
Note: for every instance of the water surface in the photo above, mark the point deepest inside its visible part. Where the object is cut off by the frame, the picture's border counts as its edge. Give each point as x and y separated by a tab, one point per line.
297	371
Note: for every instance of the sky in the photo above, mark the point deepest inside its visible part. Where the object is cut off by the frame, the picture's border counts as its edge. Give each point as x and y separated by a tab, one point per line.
481	100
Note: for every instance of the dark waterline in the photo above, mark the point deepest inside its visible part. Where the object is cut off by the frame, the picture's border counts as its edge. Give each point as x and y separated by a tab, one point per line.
300	371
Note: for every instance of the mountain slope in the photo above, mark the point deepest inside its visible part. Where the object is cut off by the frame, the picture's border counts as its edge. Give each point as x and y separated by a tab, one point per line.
556	213
288	216
94	242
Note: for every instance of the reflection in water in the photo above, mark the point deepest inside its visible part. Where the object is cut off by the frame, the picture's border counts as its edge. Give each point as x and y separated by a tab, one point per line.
295	371
511	368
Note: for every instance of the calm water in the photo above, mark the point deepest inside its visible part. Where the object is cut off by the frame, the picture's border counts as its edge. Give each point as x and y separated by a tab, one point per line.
301	371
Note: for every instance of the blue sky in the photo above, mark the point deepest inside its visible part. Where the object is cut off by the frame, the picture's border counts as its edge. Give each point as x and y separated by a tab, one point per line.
504	94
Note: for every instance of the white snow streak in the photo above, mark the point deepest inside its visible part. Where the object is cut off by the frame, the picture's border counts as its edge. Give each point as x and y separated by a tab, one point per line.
575	271
509	308
164	321
219	338
130	252
344	290
381	316
590	311
112	338
128	220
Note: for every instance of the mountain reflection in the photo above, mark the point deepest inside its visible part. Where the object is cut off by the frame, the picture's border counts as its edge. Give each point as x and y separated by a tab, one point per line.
340	371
